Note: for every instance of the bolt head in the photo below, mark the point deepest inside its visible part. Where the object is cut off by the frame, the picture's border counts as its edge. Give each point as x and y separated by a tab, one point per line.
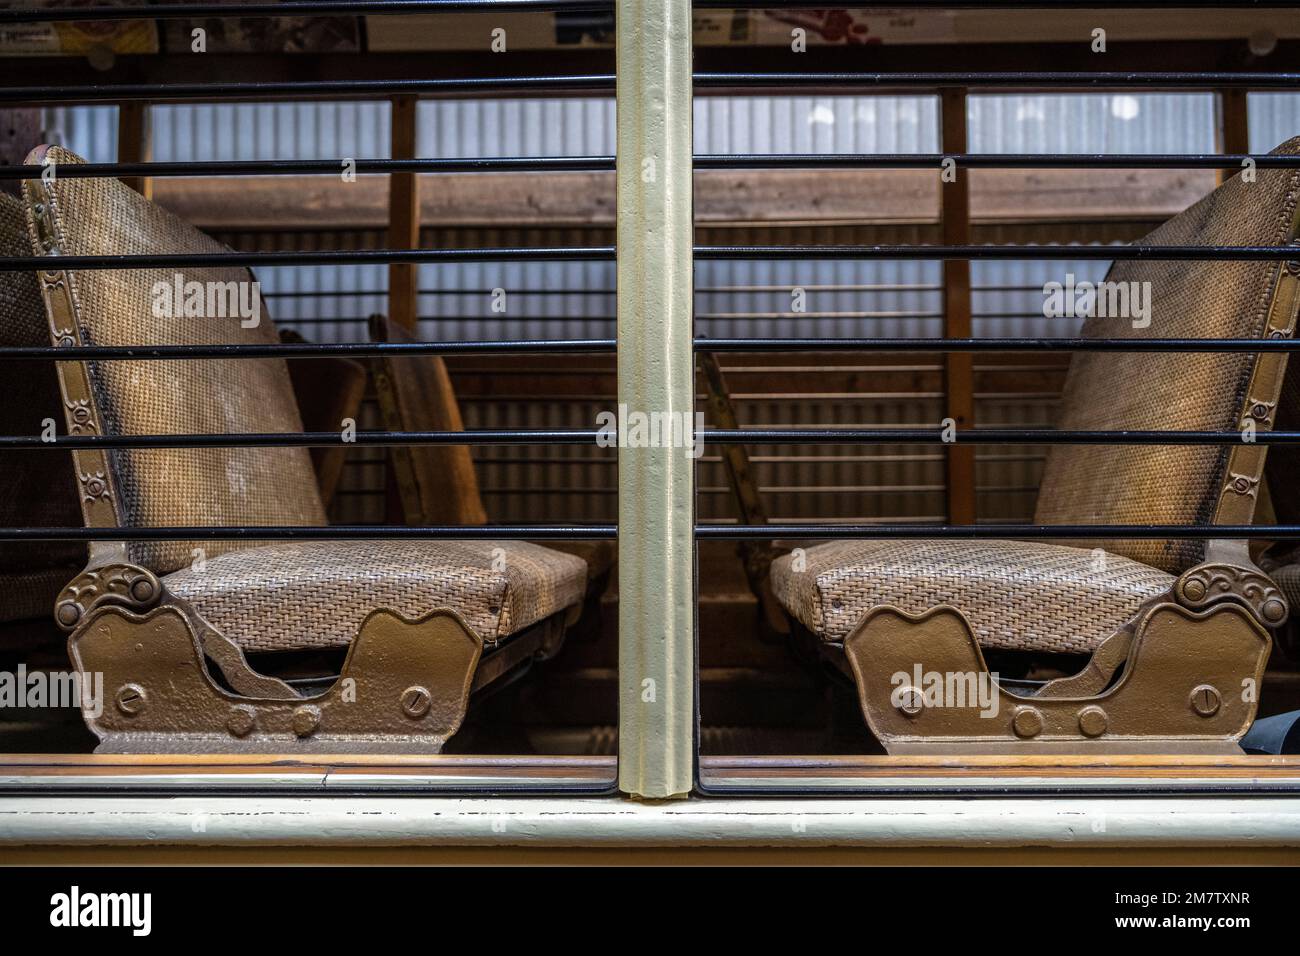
142	589
1093	721
1027	722
1205	700
68	613
241	721
131	699
1274	610
305	720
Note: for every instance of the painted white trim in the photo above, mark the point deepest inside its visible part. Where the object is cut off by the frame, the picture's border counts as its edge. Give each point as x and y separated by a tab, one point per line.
604	822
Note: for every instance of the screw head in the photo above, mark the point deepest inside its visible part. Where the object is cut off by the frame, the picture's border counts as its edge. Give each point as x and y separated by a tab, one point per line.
1274	610
1027	722
1093	721
131	699
241	720
416	701
1205	700
910	701
1194	589
305	720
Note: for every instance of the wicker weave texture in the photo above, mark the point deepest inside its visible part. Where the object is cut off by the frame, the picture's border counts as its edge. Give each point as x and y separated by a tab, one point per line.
1287	578
193	486
315	595
1018	595
1171	391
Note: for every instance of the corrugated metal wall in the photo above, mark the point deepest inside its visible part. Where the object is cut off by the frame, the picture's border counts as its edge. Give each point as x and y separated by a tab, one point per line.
733	298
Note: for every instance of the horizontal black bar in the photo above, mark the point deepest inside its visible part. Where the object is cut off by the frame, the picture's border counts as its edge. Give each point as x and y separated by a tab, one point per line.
1017	252
351	293
294	8
569	346
290	89
980	345
997	531
490	436
360	532
607	253
291	350
315	258
1195	79
333	167
1037	5
486	164
387	7
604	531
711	436
986	436
996	160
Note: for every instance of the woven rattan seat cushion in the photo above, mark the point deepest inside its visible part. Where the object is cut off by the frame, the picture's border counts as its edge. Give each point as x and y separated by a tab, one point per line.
1018	595
316	594
184	486
1179	485
1287	577
39	487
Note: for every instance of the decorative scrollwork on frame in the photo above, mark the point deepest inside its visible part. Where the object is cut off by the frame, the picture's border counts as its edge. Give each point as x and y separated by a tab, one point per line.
127	585
1208	584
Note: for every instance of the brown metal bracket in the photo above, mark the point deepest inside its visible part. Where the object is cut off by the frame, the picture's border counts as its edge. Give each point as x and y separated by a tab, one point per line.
118	582
756	557
1214	583
403	688
1190	683
1233	579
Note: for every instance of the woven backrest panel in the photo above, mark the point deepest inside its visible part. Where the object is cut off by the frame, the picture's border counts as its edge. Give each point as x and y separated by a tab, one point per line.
39	485
1085	484
191	486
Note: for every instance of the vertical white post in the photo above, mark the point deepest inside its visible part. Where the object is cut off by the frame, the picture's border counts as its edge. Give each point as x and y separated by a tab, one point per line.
656	508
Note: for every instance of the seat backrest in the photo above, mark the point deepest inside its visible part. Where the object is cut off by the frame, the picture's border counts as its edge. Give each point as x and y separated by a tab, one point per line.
39	488
1181	485
186	305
